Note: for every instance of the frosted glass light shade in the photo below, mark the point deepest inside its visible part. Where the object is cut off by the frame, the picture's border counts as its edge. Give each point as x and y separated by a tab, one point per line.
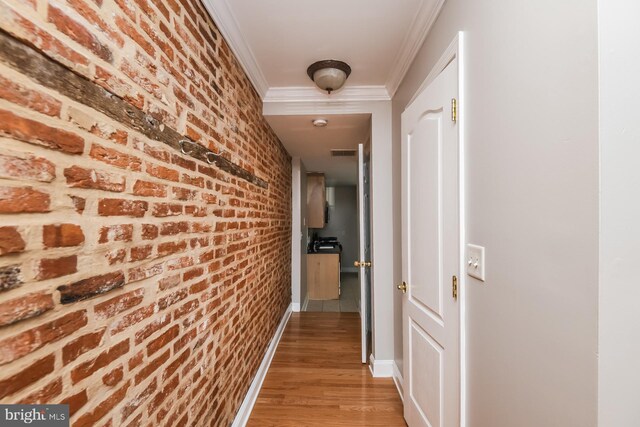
329	79
329	74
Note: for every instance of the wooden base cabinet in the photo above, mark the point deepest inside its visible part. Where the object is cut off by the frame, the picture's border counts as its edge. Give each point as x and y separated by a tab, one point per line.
323	276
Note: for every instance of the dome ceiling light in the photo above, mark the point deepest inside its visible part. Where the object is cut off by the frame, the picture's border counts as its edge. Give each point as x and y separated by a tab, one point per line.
329	74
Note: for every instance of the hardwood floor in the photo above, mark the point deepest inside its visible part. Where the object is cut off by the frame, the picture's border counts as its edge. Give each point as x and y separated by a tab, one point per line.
316	378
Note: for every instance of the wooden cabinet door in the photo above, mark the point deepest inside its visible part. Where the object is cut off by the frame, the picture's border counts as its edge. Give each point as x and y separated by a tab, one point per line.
315	200
323	276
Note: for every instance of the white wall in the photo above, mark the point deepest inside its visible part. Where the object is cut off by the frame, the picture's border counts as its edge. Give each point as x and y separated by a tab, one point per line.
619	322
299	233
532	201
343	224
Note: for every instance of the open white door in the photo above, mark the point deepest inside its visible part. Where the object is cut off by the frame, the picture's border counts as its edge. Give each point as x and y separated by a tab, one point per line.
364	250
431	254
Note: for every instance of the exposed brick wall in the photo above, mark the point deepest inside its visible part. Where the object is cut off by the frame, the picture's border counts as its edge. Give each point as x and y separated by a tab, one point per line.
138	285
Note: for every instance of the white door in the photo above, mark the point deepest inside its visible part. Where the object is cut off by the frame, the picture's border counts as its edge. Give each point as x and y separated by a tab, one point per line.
364	251
431	255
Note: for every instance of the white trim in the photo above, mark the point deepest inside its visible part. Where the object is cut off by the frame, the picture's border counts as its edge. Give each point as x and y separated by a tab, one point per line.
227	23
420	26
462	119
448	55
380	368
398	380
306	303
242	417
295	307
313	94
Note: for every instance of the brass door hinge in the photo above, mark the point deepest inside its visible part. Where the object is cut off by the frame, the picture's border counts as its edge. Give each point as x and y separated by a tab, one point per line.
454	287
454	110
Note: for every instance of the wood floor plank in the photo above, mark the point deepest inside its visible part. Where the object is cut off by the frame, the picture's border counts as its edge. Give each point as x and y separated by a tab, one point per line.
316	379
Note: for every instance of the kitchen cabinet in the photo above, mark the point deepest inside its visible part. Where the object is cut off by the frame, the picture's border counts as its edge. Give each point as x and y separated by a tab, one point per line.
323	276
316	200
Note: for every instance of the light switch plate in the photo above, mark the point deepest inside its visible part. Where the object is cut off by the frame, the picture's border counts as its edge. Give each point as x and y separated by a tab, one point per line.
475	261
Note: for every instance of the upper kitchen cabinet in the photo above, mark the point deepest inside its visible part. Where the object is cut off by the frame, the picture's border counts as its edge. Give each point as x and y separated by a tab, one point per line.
316	200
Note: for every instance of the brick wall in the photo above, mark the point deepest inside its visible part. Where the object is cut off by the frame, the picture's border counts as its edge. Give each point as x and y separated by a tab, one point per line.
136	284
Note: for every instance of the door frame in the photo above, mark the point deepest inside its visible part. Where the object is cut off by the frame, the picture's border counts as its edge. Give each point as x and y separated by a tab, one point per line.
455	50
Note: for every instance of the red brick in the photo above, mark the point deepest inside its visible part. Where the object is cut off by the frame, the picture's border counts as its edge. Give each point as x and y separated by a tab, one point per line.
151	367
162	172
88	288
10	241
91	418
122	207
133	318
173	228
166	209
162	340
134	35
149	231
169	248
169	282
45	395
26	168
78	203
173	367
25	307
149	189
140	253
152	327
163	393
86	369
131	406
90	15
28	376
114	377
116	233
50	268
19	94
23	200
79	33
81	345
117	305
16	346
144	272
78	177
115	158
76	402
62	235
35	132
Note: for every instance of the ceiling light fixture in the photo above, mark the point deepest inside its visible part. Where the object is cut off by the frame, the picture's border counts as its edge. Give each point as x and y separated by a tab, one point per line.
329	74
320	123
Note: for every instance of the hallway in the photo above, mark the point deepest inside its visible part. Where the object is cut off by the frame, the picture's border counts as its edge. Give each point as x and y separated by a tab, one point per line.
316	378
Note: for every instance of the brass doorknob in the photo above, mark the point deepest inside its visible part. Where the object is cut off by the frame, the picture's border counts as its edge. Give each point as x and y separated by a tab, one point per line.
403	287
362	263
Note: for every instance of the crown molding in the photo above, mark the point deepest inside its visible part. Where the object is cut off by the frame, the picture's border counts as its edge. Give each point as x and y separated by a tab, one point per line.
420	26
227	23
313	94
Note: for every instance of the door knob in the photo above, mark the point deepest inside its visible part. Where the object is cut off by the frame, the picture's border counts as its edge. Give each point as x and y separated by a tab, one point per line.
362	263
403	287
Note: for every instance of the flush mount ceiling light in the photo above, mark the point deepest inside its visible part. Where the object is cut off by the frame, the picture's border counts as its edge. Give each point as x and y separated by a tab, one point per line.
329	74
320	123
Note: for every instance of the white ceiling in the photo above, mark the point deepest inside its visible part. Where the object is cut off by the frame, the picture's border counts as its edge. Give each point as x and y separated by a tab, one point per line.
312	145
276	40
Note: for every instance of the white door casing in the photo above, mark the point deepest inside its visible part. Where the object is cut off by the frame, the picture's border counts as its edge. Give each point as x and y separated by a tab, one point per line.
431	231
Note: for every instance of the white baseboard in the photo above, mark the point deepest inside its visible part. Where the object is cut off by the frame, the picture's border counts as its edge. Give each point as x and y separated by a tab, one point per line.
398	379
381	368
349	270
306	303
295	307
242	417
